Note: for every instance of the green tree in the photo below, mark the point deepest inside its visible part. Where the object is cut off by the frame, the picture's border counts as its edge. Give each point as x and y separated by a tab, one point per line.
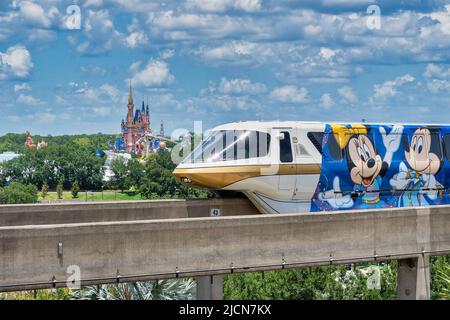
15	142
158	180
41	294
60	188
120	169
44	190
75	189
135	173
330	282
440	277
18	193
444	276
63	157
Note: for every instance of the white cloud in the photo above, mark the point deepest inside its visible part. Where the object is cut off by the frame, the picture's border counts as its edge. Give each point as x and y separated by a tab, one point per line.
134	5
46	117
79	87
135	66
136	39
220	103
103	111
15	63
326	101
93	70
444	18
33	13
437	78
289	93
240	86
21	87
173	25
136	36
41	35
437	85
347	94
435	71
156	73
99	32
224	5
327	53
93	3
167	54
236	53
291	61
104	91
389	88
28	100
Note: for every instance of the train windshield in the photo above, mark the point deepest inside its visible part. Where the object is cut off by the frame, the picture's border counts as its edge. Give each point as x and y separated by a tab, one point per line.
228	145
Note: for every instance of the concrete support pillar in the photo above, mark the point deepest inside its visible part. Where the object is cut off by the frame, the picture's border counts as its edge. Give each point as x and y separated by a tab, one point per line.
413	278
210	288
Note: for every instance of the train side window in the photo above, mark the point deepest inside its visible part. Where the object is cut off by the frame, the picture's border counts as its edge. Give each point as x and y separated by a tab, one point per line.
262	144
247	146
316	140
235	146
447	146
228	145
334	151
285	148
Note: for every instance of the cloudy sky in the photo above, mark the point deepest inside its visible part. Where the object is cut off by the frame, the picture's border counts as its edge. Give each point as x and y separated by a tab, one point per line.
220	61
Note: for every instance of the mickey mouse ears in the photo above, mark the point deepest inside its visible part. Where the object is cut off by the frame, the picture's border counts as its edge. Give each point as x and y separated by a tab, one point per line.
342	133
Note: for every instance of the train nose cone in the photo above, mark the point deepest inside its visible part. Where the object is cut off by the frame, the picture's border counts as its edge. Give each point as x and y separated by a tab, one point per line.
213	177
371	163
194	178
181	176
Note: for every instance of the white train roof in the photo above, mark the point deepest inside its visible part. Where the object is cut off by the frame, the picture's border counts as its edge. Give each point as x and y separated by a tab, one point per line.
255	125
312	125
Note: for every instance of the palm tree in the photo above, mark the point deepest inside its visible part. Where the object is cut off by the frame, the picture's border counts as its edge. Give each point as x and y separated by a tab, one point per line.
444	276
172	289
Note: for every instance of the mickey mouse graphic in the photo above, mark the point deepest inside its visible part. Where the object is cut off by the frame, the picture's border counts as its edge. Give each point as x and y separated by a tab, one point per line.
365	166
416	179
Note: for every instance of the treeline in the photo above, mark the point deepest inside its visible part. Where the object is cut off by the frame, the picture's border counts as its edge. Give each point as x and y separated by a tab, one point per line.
75	166
335	282
55	164
153	179
16	141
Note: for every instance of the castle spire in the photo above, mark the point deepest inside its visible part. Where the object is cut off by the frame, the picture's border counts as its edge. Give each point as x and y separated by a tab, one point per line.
130	96
130	105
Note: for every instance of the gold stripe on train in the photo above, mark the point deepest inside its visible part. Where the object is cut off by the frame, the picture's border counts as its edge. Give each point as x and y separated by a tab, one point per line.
220	177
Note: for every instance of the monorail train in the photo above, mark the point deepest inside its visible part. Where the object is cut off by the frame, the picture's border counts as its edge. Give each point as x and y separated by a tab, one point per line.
287	166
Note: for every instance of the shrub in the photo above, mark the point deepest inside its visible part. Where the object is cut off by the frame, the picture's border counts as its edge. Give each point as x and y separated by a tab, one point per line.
18	193
75	189
44	190
60	189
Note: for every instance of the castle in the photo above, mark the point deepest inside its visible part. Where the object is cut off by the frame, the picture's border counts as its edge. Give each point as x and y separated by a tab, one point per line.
29	142
136	125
